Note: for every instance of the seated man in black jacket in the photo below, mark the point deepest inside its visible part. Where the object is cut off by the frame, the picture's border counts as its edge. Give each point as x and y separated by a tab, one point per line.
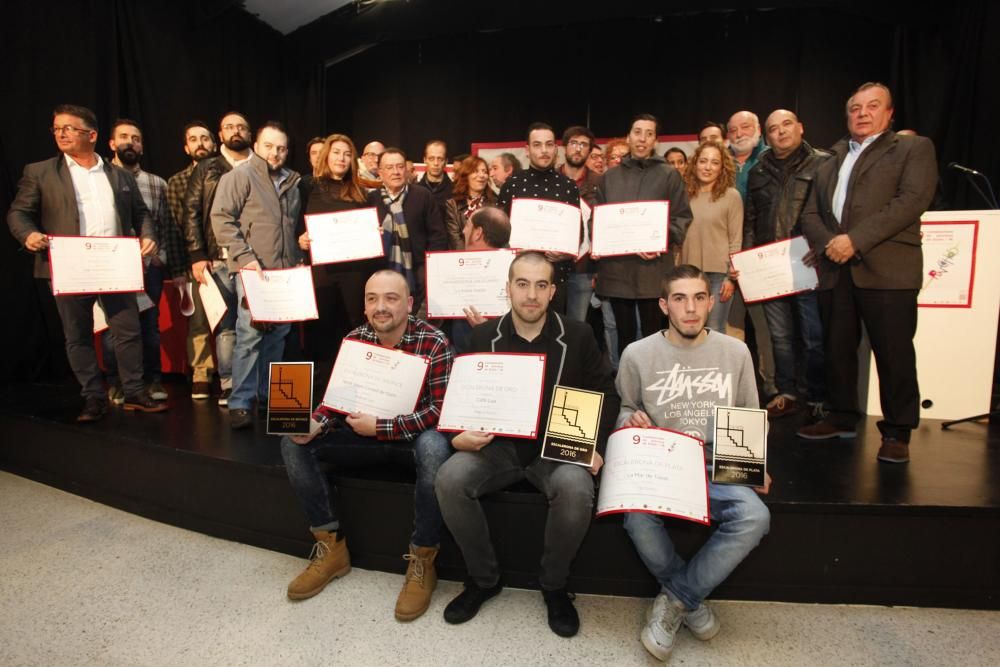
483	464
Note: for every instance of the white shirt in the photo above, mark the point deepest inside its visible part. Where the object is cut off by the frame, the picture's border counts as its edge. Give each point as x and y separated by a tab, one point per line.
95	201
234	159
854	150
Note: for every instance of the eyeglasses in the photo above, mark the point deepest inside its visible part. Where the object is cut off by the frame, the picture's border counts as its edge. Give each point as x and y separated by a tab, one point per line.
69	128
370	154
578	144
239	127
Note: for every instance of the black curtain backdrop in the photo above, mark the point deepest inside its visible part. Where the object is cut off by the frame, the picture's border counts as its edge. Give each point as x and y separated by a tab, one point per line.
466	71
159	62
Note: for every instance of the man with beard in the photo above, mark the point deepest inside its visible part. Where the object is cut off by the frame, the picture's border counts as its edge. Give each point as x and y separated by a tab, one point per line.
262	195
435	180
126	144
361	439
208	258
577	142
746	144
198	145
79	194
541	181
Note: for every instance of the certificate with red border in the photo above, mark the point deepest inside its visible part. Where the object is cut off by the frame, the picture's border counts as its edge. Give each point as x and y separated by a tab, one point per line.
281	295
949	250
344	236
627	228
545	225
492	392
375	380
773	270
95	264
457	279
656	471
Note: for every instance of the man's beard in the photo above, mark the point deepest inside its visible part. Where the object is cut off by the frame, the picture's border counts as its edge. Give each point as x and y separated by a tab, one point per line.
201	154
128	155
576	164
744	145
237	143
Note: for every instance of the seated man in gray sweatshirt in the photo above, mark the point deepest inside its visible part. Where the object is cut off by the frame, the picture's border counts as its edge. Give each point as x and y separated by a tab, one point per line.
674	379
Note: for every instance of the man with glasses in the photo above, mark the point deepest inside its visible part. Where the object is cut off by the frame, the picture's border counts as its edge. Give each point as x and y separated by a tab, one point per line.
541	181
79	194
207	257
435	179
578	142
263	196
368	167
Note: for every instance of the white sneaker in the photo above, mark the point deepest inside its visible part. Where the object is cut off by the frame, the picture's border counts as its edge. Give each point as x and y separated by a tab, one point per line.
702	622
663	620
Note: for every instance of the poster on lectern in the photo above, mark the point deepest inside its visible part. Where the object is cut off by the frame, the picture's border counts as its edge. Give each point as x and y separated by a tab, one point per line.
949	250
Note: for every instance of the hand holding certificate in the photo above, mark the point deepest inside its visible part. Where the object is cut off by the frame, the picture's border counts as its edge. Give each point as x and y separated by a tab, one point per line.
280	295
375	380
540	224
774	270
655	471
95	264
494	393
344	236
459	279
630	228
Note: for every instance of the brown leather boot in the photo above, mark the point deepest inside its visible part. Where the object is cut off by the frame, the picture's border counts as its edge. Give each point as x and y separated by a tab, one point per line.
329	559
421	580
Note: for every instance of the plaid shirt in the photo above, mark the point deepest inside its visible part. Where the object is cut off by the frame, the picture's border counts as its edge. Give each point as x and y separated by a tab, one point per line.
154	192
424	340
176	187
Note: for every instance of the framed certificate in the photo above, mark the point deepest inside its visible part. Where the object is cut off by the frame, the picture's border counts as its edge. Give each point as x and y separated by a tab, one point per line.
95	264
499	393
344	236
774	270
375	380
627	228
541	224
282	295
657	471
458	279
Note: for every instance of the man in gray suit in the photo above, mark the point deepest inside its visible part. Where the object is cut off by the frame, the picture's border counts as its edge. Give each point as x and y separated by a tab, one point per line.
78	194
862	221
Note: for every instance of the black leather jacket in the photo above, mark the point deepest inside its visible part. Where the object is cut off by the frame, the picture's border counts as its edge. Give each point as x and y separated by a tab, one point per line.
776	194
197	223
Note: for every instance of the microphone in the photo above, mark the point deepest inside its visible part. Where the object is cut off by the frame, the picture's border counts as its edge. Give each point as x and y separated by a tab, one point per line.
965	170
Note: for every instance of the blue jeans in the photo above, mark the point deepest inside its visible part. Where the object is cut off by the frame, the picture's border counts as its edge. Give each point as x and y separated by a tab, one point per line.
578	293
254	351
468	476
743	521
720	311
149	328
782	315
225	332
346	449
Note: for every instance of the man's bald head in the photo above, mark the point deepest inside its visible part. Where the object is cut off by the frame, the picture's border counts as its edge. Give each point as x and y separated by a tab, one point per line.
389	278
784	132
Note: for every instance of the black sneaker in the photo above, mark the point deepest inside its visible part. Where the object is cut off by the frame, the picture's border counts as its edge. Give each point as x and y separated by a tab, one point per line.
563	619
94	409
467	604
240	419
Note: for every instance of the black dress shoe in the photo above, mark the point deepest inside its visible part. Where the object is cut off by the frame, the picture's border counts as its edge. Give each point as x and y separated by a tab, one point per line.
143	402
467	604
94	409
563	619
240	419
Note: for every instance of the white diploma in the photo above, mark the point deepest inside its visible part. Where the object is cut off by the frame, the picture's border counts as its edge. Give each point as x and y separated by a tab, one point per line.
627	228
494	393
774	270
540	224
100	319
463	278
656	471
282	295
212	300
95	264
375	380
344	236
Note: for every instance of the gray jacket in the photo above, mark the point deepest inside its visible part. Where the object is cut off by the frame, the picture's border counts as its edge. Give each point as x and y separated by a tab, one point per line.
255	221
652	179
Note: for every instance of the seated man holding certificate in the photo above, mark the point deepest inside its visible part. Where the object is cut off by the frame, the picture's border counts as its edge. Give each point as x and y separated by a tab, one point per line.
485	463
673	379
361	439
